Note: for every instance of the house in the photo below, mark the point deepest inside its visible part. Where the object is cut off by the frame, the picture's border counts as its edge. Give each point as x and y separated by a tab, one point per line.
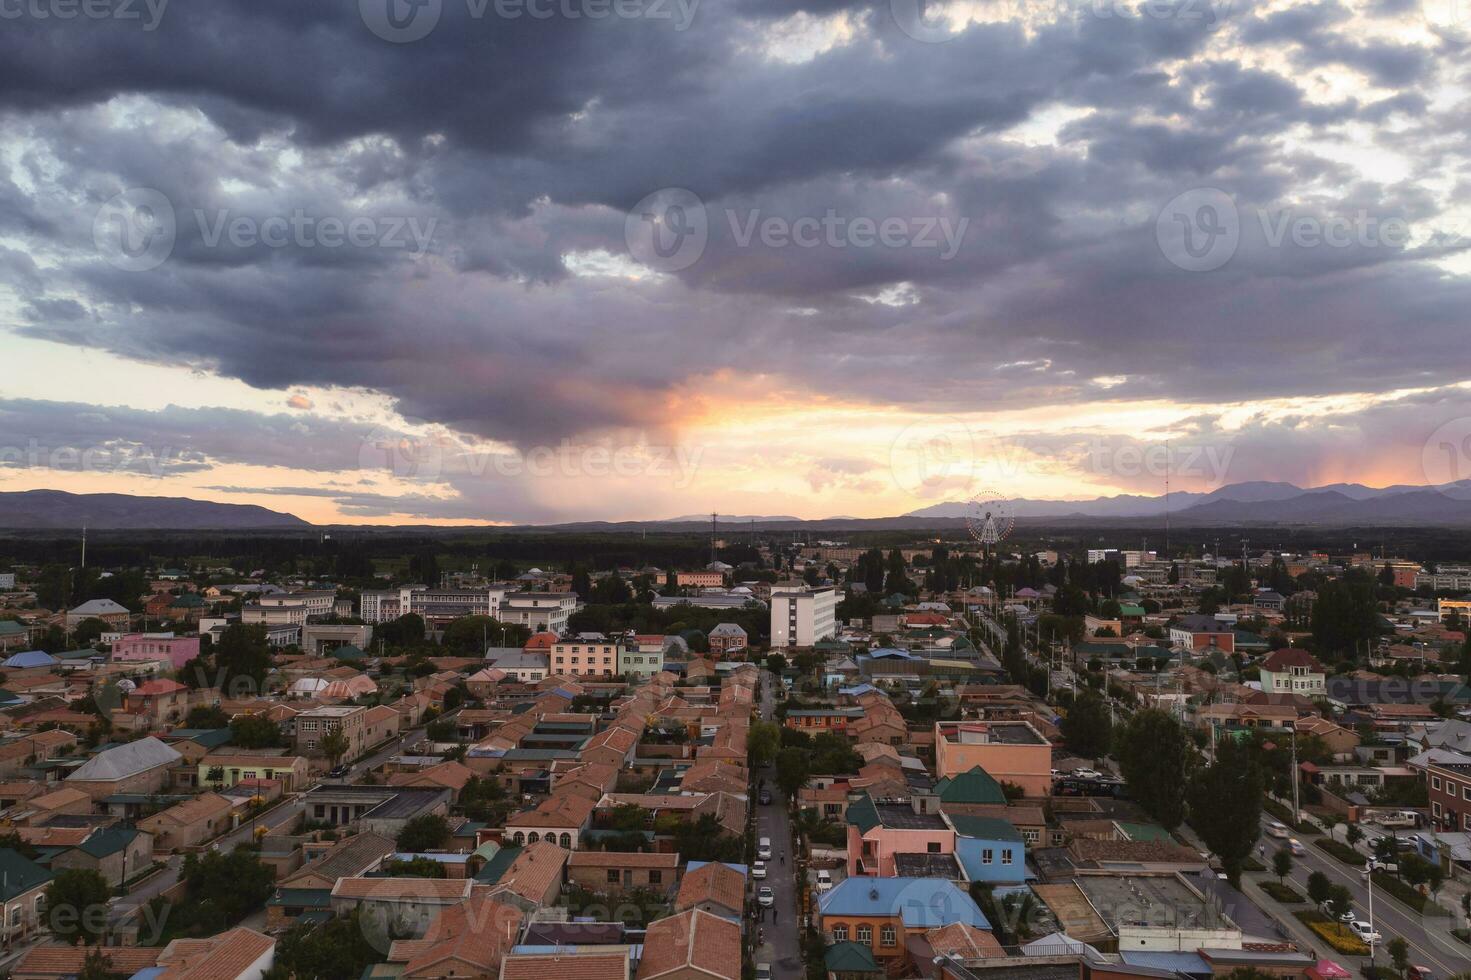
989	850
692	945
155	704
533	878
219	769
878	833
191	822
1293	671
117	853
713	887
884	913
468	939
1197	632
315	724
612	872
240	954
400	906
114	615
177	650
560	819
138	767
583	962
1010	751
22	893
726	638
591	655
59	961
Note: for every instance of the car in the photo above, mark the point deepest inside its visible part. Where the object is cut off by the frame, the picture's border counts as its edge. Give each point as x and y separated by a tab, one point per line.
1417	972
763	849
824	881
1057	774
1087	774
1295	846
765	897
758	869
1275	829
1345	917
339	772
1365	932
765	798
763	971
1378	865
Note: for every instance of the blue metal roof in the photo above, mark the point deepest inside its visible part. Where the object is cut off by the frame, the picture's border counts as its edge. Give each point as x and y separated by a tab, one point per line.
1179	962
921	903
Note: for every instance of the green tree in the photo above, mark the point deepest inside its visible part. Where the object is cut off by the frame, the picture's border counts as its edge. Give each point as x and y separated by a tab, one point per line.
206	716
334	746
76	905
1353	834
429	832
1399	950
1282	863
1086	727
792	770
1319	888
1226	806
763	741
1340	903
776	663
98	966
89	631
338	947
1155	756
418	867
255	732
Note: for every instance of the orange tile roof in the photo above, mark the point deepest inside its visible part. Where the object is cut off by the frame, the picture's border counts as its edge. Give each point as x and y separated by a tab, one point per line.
964	940
64	961
534	871
714	882
622	859
692	940
566	966
442	890
222	957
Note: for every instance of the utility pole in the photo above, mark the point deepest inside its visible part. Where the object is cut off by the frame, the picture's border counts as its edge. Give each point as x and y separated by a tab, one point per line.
84	546
1296	809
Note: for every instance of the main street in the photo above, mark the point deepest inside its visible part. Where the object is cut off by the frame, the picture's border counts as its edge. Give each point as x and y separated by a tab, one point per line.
1434	947
782	948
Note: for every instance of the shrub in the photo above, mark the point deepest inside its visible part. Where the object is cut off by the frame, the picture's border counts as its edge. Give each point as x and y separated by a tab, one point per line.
1333	933
1282	893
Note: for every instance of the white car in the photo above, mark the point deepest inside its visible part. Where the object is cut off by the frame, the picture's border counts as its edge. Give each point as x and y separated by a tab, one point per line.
1365	932
824	881
758	870
763	971
1087	774
1347	918
1295	846
765	897
763	849
1275	829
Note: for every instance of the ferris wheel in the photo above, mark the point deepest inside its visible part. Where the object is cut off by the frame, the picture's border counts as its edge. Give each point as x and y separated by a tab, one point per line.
989	518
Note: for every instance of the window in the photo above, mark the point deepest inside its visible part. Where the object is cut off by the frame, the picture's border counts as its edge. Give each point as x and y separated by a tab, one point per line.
520	838
612	876
987	856
1435	809
933	847
533	837
567	841
840	934
656	877
865	935
1031	836
1435	782
1006	856
886	936
1465	792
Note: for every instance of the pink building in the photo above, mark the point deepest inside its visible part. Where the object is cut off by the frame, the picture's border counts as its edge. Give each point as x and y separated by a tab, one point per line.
1011	751
178	650
897	840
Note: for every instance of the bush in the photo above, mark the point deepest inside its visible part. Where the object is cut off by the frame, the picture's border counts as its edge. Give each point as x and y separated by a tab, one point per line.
1341	851
1400	890
1282	893
1334	934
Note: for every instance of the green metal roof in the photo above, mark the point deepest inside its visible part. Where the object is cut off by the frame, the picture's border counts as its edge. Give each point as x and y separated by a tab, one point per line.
19	874
850	957
973	786
986	828
1144	831
863	814
107	841
497	866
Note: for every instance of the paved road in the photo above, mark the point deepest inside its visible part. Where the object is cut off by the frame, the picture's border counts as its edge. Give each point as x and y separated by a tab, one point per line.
782	948
1433	947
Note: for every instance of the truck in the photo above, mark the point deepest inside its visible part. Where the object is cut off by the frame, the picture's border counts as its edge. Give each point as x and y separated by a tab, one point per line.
1394	818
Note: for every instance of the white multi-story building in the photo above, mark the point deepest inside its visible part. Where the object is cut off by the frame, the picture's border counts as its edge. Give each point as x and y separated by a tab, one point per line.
7	581
541	612
434	605
802	616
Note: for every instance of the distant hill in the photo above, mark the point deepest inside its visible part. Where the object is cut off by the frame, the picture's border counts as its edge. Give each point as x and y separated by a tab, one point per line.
57	509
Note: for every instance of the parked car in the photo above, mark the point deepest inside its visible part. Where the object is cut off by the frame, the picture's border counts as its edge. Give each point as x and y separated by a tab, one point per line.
765	798
765	897
824	881
763	971
1345	917
1275	829
339	772
1365	932
1087	774
763	849
1377	865
758	869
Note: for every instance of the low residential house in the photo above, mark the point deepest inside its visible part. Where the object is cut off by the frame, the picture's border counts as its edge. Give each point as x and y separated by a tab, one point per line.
883	914
191	822
1199	632
561	819
23	894
240	954
222	769
534	877
309	889
468	939
726	638
177	650
879	832
154	704
1293	671
24	751
989	850
315	724
713	887
117	853
614	872
380	723
114	615
583	962
399	906
63	961
692	945
140	767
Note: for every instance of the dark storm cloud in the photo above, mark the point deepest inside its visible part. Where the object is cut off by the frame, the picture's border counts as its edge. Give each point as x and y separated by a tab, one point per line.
524	143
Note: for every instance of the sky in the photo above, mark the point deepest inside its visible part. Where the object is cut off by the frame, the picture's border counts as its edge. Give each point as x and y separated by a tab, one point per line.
532	261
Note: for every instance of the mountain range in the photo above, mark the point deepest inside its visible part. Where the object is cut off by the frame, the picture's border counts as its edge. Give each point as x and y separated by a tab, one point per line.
55	509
